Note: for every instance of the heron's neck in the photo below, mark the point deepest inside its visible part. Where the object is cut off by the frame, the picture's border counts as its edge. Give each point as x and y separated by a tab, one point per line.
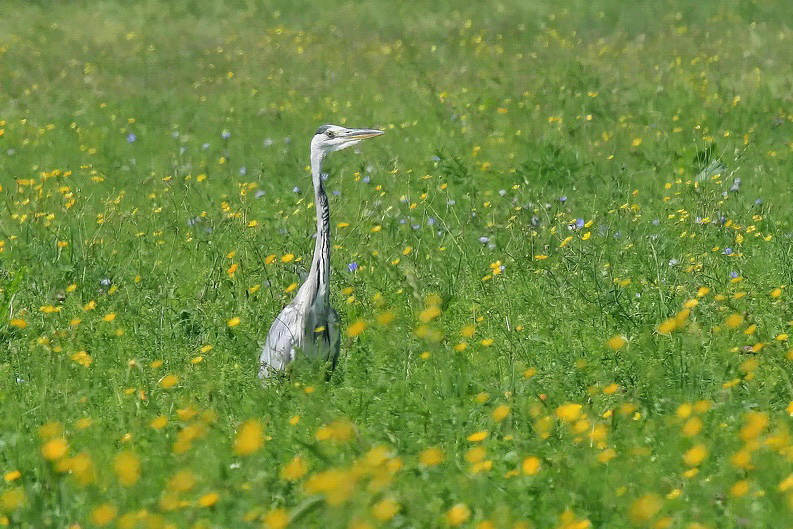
320	264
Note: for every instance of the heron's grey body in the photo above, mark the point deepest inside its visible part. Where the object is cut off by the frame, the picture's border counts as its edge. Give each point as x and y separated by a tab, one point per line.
309	325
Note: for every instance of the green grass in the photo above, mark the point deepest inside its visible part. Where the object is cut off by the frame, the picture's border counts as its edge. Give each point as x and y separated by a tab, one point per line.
507	121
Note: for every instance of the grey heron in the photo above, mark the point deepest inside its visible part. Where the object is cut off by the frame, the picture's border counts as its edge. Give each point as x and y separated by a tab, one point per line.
309	325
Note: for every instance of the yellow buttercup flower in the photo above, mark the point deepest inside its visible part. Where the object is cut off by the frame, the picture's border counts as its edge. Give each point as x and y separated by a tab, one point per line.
475	454
338	431
531	465
127	468
182	481
569	412
209	499
82	469
740	488
478	436
755	423
607	455
54	449
429	313
336	485
169	381
458	514
250	437
295	469
276	518
645	508
431	457
356	328
12	476
692	426
12	499
667	326
617	342
500	412
733	320
695	455
384	318
103	514
385	509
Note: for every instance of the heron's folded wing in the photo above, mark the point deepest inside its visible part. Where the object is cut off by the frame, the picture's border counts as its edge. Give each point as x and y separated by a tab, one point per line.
285	335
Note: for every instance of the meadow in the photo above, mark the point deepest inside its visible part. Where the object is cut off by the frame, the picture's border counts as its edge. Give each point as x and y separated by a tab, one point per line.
562	273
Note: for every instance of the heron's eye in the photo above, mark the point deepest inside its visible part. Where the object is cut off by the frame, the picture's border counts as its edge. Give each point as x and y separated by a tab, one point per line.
330	134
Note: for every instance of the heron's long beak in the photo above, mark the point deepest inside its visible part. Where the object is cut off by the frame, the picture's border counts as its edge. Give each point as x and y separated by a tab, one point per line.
361	134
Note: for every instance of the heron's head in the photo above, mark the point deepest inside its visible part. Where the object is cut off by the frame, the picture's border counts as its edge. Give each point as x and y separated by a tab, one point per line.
331	138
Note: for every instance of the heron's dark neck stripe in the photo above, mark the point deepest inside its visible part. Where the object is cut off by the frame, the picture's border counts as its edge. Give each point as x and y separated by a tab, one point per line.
319	274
